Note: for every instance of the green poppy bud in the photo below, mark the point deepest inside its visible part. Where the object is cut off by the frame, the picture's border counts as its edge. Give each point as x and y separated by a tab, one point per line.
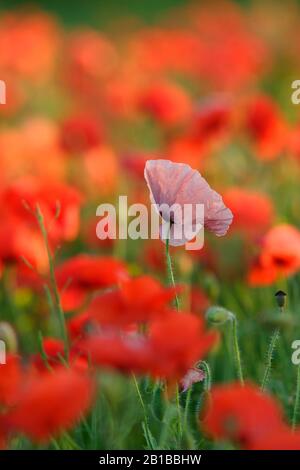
218	315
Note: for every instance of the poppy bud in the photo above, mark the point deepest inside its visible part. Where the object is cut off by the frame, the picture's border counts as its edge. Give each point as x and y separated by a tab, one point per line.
280	298
8	335
218	315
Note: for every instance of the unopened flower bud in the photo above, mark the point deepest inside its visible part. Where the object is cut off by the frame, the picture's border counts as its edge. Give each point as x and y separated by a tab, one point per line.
218	315
280	298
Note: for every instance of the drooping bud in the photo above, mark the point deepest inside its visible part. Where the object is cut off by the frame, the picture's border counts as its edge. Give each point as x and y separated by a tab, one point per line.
280	298
218	315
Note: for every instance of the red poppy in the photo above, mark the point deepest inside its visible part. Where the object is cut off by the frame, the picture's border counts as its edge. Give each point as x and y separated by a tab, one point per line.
279	255
240	413
44	408
266	127
212	118
279	439
83	274
29	45
166	102
59	204
253	211
10	380
79	133
176	341
54	351
136	300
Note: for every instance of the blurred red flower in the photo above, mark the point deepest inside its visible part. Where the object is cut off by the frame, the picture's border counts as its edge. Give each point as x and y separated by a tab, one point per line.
80	132
59	204
175	342
137	300
166	102
253	211
240	413
44	407
279	255
266	127
279	439
83	274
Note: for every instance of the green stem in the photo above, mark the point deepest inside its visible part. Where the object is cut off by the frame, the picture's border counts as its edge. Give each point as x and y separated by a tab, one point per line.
207	379
272	346
170	271
144	410
297	400
236	350
172	281
179	411
55	292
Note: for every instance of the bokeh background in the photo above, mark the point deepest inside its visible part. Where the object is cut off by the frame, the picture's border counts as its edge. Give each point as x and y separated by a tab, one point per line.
94	90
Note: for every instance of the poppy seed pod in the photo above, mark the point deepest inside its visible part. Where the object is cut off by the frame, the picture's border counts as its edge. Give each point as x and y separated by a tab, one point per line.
280	298
218	315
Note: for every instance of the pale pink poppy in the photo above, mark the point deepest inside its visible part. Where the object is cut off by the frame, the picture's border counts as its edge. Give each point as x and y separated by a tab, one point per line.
177	183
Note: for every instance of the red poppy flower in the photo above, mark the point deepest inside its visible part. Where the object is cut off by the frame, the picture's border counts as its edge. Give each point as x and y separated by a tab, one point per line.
59	204
80	133
29	43
124	352
279	256
44	407
10	380
241	413
212	118
54	351
167	103
253	211
266	127
136	300
279	439
82	274
176	341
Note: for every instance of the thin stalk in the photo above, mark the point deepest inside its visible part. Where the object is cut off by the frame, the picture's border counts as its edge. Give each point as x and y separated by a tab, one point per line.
172	281
186	409
144	410
236	350
54	288
170	272
179	411
207	379
270	354
297	401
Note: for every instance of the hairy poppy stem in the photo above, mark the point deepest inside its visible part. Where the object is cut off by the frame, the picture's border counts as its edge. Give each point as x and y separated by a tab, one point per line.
207	379
236	350
54	288
272	346
147	429
172	280
170	272
297	400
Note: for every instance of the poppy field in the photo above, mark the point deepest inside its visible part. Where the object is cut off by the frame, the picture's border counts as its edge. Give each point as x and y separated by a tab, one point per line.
112	341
